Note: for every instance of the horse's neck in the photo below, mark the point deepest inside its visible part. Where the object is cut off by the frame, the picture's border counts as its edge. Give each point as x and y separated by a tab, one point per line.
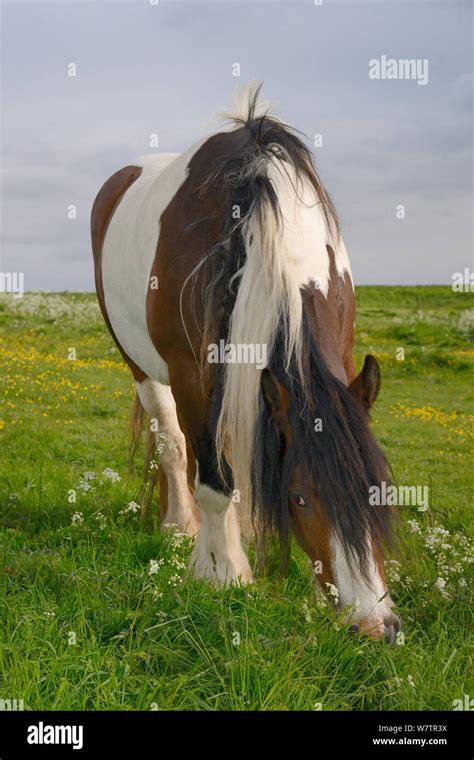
324	321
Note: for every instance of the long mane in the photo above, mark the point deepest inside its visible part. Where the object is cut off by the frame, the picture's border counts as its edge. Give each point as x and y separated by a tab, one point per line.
252	296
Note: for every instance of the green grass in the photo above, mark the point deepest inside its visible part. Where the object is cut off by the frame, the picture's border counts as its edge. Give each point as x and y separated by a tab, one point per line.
85	626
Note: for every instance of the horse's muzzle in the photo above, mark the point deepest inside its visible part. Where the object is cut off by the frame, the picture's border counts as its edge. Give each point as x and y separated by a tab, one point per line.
391	627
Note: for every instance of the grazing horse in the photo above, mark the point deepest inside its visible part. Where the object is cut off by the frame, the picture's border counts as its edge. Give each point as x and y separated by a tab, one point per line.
225	283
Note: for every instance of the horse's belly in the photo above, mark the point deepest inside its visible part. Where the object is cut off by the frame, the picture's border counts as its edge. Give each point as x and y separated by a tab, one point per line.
128	253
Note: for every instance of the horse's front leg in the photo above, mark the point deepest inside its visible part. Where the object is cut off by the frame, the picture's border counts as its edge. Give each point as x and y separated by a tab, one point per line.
218	553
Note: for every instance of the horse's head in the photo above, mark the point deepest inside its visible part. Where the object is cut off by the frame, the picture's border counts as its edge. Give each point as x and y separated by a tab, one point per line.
328	460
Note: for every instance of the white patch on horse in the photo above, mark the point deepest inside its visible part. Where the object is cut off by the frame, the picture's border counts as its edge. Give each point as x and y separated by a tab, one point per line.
129	250
159	403
342	260
305	236
305	233
218	553
370	602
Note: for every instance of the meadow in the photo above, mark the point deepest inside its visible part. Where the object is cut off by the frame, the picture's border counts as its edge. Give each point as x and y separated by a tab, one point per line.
98	613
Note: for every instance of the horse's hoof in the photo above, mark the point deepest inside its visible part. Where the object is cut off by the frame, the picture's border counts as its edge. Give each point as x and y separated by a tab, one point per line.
221	572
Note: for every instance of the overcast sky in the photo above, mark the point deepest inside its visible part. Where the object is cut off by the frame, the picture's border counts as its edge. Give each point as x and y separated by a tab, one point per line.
166	68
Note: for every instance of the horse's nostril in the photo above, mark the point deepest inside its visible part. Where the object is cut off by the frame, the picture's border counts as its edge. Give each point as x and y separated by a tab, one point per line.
354	628
397	624
389	634
392	628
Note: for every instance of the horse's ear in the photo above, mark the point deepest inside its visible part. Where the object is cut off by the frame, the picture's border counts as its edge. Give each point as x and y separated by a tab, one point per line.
277	399
366	385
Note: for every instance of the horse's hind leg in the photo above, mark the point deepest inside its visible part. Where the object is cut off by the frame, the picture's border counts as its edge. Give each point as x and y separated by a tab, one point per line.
159	404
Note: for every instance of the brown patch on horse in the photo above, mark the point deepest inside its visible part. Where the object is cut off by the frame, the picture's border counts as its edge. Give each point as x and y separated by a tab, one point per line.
314	533
277	399
331	320
105	204
190	226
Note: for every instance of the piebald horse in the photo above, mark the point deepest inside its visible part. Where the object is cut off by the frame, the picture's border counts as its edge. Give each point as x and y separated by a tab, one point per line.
235	244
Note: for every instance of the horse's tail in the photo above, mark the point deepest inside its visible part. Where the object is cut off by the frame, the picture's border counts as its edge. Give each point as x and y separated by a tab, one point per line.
137	423
273	171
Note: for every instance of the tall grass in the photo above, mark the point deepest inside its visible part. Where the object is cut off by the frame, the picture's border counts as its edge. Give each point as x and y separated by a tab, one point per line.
100	614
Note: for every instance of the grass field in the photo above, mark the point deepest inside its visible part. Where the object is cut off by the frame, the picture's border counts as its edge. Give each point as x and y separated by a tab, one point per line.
91	621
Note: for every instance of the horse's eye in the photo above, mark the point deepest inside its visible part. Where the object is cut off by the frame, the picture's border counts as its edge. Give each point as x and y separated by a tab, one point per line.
298	499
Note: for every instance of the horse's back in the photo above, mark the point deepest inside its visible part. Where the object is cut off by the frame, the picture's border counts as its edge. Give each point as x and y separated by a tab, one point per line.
125	225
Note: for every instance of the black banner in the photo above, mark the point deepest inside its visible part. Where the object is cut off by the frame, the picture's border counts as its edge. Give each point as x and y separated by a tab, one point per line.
124	734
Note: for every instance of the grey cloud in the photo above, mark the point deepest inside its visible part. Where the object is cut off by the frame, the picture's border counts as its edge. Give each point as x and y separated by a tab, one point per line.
166	69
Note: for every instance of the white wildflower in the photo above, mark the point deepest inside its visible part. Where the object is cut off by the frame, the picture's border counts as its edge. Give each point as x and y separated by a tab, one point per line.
392	568
111	475
177	539
155	565
77	518
174	580
131	508
101	520
305	611
440	584
53	306
414	526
